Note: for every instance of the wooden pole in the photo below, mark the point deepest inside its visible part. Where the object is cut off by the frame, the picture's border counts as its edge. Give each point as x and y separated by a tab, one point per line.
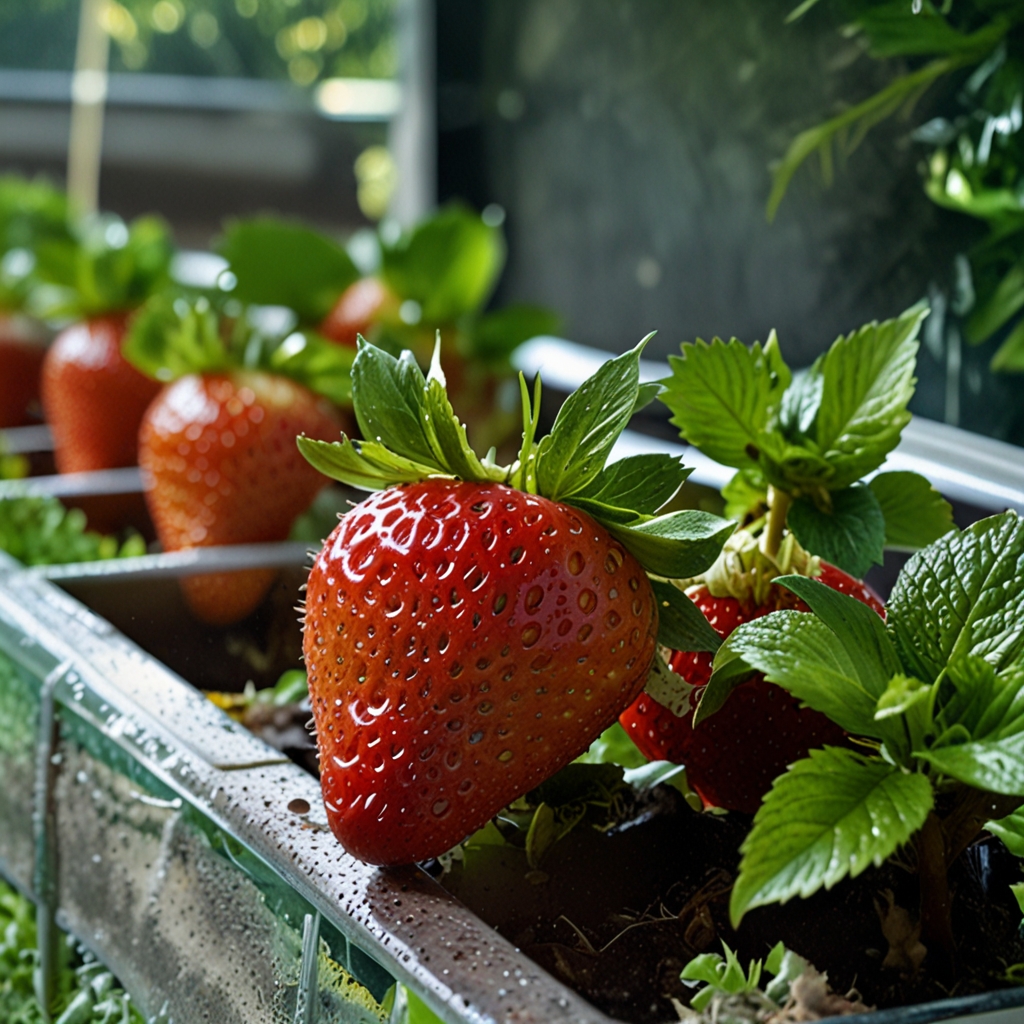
88	98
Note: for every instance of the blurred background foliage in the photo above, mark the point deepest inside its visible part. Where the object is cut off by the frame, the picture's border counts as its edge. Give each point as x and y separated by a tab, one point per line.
301	40
970	53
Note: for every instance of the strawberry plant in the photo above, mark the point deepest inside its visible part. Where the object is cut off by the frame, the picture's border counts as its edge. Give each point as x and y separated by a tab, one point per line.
933	696
471	627
801	445
217	443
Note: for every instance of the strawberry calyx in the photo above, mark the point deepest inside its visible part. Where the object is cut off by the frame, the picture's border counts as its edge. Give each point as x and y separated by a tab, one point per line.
745	571
181	332
104	266
412	434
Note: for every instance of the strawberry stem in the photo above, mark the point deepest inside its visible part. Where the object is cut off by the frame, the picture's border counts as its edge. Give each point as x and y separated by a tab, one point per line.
778	506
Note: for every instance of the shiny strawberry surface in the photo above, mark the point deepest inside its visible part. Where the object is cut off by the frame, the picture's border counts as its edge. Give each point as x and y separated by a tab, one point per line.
222	467
358	309
94	399
463	641
733	757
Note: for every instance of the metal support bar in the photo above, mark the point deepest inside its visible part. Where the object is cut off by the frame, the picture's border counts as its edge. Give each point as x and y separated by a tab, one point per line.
307	1004
44	828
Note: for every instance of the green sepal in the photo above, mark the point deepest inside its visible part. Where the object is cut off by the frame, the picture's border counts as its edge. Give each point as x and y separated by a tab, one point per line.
174	335
678	545
642	483
111	267
283	263
681	626
587	426
850	533
365	465
830	816
313	361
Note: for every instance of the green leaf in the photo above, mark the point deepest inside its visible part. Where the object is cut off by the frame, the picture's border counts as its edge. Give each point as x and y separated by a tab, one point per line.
613	746
797	651
642	483
448	264
1011	831
729	672
867	381
388	398
860	629
173	335
915	513
284	263
494	336
1009	357
850	536
647	393
996	766
1004	303
722	397
681	625
745	494
964	594
800	403
902	694
366	465
679	545
587	427
847	130
830	816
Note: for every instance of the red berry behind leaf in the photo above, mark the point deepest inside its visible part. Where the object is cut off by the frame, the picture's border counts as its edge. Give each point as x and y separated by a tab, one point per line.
733	757
360	307
223	468
93	397
463	641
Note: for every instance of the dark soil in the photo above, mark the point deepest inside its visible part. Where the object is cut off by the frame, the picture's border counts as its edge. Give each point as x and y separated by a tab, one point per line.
617	915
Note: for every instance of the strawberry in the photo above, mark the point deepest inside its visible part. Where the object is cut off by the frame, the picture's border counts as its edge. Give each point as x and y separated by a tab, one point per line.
359	308
466	639
222	468
733	757
22	347
472	627
93	398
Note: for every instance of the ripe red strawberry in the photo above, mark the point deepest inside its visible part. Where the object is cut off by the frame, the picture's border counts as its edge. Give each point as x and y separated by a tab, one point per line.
463	640
219	452
733	757
467	634
93	397
360	307
21	358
